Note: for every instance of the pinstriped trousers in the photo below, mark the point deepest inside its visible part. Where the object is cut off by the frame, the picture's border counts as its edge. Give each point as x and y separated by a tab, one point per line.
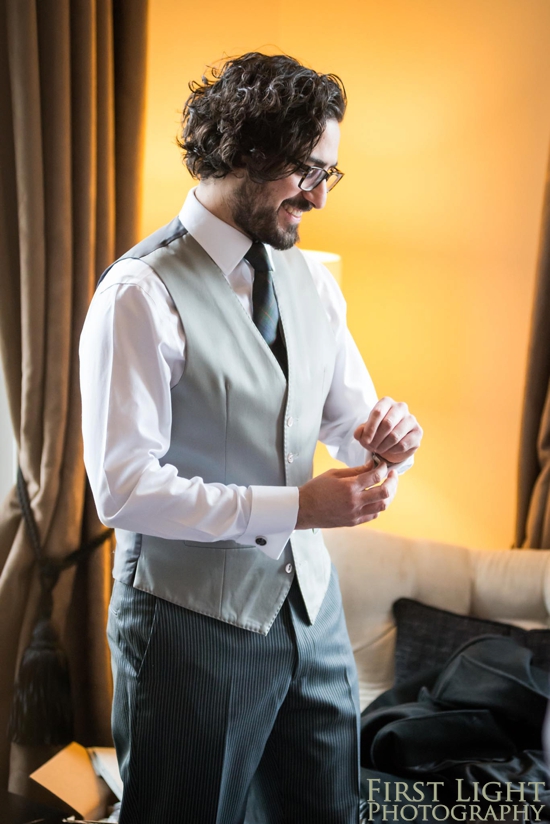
208	716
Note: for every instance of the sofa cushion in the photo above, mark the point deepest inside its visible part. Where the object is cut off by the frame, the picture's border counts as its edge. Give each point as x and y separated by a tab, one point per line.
427	637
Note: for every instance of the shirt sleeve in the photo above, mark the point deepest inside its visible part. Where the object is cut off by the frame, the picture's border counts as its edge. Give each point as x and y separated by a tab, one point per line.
352	394
132	351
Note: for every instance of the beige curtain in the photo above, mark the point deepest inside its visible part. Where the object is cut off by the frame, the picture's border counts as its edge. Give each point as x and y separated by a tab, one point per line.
72	78
533	517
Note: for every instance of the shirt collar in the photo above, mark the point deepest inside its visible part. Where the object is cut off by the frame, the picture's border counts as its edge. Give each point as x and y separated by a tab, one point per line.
225	244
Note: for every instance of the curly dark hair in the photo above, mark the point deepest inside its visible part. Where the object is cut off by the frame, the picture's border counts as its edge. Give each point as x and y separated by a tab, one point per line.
259	112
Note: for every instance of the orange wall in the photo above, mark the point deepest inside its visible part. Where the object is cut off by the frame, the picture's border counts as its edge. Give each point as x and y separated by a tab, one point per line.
444	148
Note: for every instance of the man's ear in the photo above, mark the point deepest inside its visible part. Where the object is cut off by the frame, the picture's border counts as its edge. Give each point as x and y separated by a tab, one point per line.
239	171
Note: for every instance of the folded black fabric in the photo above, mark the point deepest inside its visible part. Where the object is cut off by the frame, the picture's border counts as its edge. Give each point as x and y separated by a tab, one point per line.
477	722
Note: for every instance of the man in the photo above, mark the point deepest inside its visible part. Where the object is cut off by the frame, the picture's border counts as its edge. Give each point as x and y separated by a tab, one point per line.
213	358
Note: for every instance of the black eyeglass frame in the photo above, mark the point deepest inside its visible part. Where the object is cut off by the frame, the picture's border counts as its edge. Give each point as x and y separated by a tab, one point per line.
306	170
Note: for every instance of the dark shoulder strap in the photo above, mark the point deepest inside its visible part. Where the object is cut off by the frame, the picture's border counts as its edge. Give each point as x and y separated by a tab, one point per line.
162	237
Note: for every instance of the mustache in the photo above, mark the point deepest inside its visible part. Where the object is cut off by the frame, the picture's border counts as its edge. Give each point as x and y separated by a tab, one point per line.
298	203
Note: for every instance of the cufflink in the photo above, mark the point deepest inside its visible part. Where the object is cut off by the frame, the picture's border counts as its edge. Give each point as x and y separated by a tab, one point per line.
261	541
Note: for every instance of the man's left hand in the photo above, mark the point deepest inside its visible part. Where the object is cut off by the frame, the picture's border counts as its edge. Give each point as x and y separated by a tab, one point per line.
390	431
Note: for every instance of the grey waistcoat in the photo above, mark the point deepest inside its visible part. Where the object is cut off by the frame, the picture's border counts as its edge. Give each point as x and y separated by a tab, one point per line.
236	420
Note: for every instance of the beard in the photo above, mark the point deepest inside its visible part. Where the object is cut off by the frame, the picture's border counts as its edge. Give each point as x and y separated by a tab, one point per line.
259	221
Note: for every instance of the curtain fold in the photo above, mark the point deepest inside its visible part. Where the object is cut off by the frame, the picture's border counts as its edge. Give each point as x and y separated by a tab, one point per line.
533	515
72	80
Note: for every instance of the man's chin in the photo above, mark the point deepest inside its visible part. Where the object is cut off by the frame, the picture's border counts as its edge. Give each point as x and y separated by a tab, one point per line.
285	239
262	223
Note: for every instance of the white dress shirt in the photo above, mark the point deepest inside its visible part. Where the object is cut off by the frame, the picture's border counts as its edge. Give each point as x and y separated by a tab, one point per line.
133	351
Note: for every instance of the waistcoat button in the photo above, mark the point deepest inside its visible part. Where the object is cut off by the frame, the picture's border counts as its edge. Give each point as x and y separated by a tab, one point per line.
261	541
288	568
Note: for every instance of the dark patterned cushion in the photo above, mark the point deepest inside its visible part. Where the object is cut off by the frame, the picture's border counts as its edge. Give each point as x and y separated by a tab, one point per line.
427	636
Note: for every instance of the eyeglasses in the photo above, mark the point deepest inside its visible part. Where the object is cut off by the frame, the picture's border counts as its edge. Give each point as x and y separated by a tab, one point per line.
313	176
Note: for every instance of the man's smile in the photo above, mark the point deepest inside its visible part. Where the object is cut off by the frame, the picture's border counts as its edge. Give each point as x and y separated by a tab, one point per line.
293	212
296	211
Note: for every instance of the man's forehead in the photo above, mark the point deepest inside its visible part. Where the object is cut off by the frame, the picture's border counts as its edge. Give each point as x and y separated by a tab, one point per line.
319	161
325	153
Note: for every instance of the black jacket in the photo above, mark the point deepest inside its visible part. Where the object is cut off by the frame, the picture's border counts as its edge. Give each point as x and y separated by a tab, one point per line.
474	726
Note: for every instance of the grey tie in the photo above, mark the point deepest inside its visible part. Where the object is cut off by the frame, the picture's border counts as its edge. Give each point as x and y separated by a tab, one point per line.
265	312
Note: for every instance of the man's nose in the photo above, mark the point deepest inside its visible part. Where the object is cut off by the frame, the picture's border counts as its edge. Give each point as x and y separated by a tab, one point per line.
317	196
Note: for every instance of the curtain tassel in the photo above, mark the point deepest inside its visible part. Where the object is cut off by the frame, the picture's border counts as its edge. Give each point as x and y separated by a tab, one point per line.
42	711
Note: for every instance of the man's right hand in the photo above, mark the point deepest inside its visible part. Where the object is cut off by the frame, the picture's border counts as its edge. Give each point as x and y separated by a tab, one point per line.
346	497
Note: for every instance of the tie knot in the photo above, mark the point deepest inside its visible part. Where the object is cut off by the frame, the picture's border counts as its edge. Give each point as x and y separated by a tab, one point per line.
258	258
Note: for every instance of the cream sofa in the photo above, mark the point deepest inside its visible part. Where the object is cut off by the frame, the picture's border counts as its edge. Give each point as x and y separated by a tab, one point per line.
377	568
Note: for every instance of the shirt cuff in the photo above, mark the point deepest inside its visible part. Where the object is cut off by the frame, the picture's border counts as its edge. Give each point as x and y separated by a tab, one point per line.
402	466
273	516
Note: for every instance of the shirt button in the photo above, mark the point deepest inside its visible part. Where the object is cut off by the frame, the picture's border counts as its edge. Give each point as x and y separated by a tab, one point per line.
288	568
261	541
290	457
289	420
315	530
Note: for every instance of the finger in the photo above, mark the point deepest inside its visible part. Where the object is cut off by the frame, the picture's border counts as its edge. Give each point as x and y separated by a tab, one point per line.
377	414
405	448
353	471
358	434
397	457
398	436
377	499
372	477
392	418
386	489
